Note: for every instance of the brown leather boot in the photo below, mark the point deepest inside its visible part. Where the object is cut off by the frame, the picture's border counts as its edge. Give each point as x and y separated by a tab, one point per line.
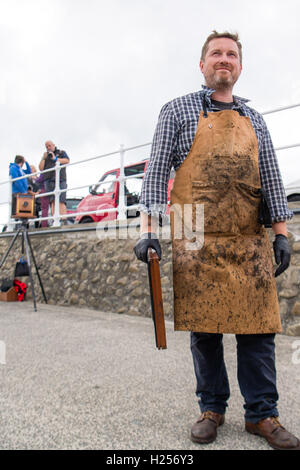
204	430
275	434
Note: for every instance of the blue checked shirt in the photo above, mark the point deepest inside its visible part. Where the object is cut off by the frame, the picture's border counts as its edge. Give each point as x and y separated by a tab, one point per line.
173	138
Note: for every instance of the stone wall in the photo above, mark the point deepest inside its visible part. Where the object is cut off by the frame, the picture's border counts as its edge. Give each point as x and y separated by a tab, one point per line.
91	270
81	269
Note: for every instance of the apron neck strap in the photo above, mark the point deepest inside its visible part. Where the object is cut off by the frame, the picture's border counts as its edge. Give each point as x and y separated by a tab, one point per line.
204	106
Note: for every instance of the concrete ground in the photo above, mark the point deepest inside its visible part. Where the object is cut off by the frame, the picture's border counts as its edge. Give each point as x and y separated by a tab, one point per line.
83	379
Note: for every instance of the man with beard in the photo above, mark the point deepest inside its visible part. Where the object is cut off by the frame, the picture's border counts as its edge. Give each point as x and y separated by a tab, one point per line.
224	159
50	157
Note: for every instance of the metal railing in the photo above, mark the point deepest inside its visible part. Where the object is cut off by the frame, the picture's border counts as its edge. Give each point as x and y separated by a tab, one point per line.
122	208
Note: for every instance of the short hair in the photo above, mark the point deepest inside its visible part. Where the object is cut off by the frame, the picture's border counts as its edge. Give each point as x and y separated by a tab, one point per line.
216	35
19	159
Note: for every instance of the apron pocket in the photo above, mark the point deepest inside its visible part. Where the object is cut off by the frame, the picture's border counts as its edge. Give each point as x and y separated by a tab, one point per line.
217	200
246	204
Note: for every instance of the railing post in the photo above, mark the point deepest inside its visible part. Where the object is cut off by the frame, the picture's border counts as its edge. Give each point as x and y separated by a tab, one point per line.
56	214
10	226
122	204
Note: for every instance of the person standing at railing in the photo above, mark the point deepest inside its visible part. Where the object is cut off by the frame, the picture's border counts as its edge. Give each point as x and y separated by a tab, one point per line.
50	157
34	188
224	159
16	171
44	200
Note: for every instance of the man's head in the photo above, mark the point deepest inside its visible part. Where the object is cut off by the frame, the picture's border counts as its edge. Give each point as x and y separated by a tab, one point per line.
50	146
221	60
19	160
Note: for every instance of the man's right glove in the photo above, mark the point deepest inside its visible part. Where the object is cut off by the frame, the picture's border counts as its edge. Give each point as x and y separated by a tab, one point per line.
147	240
282	253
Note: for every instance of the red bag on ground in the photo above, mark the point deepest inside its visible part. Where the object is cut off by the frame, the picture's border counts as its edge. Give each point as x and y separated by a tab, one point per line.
21	288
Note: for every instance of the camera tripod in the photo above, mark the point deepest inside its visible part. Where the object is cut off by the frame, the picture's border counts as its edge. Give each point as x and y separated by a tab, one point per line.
22	230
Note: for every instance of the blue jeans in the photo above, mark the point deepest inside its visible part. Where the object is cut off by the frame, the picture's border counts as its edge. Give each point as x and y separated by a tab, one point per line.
256	373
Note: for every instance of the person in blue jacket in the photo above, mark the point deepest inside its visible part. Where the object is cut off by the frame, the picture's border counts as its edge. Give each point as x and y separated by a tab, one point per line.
15	171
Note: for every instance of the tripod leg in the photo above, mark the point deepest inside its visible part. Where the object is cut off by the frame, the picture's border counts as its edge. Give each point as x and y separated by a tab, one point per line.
29	266
9	248
22	245
36	268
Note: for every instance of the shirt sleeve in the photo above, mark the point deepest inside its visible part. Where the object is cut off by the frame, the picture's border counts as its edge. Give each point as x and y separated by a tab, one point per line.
28	169
154	193
271	180
62	154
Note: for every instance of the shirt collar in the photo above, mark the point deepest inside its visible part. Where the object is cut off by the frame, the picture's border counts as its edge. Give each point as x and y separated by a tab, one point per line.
207	92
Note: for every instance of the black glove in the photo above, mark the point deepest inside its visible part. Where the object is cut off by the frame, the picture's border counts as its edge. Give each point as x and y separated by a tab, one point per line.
147	240
282	253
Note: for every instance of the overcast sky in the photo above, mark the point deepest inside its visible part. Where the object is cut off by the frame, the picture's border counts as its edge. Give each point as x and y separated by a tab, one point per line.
93	74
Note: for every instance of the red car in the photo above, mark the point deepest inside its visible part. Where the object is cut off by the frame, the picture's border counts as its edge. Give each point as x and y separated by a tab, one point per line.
105	194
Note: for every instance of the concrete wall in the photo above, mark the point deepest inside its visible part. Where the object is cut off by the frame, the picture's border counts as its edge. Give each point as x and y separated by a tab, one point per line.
91	270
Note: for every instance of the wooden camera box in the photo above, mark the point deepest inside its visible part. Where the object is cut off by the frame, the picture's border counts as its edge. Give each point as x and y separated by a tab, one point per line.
23	206
9	296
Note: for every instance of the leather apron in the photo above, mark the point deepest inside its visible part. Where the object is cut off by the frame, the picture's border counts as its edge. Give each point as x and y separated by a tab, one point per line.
227	285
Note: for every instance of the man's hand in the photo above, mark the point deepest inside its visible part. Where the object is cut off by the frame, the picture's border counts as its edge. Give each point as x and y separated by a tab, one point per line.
282	253
147	240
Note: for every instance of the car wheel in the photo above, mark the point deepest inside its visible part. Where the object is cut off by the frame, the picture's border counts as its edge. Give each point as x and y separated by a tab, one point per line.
293	197
86	220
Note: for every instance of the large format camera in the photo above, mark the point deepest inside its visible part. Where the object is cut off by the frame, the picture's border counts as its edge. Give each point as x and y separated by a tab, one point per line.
23	206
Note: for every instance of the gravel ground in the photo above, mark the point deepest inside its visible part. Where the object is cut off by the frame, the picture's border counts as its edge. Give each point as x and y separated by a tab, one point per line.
84	379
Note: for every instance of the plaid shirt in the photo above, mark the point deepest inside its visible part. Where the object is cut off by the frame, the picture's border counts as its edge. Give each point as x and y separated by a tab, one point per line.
173	138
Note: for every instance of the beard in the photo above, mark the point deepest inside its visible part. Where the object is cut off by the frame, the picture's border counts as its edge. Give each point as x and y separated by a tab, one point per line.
220	81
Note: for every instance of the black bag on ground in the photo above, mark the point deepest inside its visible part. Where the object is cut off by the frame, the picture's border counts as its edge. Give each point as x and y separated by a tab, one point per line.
6	284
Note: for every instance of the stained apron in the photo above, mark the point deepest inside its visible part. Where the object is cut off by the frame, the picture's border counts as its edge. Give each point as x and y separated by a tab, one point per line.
227	285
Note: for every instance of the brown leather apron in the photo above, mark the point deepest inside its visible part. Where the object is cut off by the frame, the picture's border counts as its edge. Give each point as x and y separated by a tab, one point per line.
227	285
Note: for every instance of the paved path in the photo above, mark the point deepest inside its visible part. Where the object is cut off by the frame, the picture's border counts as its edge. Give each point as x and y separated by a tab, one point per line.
82	379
